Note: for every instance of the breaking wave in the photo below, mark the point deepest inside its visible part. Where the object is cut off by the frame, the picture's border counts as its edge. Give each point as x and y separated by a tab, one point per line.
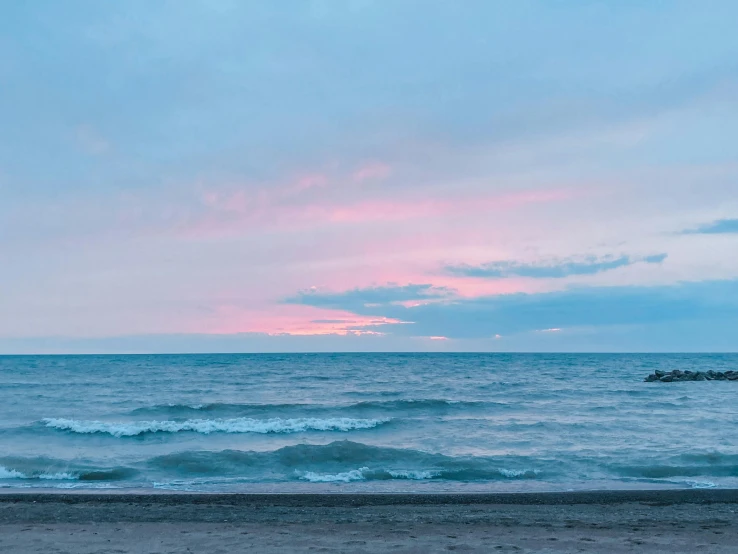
6	473
208	426
368	474
43	469
342	461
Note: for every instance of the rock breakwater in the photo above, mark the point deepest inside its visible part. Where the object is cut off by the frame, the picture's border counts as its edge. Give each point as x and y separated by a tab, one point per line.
678	375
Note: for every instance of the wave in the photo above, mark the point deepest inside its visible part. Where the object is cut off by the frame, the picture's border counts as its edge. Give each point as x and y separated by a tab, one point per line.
219	408
6	473
348	461
367	474
687	464
338	462
669	471
44	469
208	426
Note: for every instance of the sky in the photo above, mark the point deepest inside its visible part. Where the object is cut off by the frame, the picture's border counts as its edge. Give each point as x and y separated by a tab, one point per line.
368	175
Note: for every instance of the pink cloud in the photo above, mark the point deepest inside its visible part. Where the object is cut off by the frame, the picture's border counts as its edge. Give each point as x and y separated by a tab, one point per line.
408	208
375	170
311	181
292	320
227	213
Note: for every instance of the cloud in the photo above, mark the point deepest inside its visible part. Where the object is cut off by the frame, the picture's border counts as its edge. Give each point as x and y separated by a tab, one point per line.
370	171
181	177
291	320
237	210
582	307
359	299
552	270
719	227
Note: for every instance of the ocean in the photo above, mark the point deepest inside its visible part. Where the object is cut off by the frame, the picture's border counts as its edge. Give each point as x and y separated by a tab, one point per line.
365	422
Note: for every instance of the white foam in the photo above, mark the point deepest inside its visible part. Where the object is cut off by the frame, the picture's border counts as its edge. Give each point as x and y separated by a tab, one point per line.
362	473
6	473
207	426
701	484
174	486
63	476
13	474
414	475
345	477
68	485
513	473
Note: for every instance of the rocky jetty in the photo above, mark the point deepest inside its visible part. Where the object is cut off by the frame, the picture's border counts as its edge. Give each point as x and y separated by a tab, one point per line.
678	375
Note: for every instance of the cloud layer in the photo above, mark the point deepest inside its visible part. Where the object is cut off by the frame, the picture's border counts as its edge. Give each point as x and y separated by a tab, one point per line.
225	175
572	309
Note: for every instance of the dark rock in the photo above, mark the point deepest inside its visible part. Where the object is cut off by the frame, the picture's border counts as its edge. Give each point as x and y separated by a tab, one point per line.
678	376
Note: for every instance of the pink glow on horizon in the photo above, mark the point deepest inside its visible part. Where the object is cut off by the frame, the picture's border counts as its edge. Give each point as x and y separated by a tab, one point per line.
294	320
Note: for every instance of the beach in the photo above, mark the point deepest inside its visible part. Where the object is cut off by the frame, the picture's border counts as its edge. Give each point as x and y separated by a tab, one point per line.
598	521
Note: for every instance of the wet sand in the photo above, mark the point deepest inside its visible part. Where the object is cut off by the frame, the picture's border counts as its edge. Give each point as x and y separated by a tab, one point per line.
612	521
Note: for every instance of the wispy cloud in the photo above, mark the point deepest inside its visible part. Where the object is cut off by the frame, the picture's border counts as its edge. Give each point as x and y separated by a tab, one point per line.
719	227
376	170
361	298
230	212
294	320
556	269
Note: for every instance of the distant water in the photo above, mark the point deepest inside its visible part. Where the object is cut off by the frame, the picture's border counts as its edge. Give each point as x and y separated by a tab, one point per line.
365	422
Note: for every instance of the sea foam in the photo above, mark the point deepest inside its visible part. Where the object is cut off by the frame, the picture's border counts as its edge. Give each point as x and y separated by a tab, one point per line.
207	426
364	473
6	473
343	477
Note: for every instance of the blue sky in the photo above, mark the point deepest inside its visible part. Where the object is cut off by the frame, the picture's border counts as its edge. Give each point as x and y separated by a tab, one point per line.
368	175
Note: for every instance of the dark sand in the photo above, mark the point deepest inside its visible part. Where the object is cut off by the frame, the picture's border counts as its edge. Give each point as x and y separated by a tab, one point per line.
613	521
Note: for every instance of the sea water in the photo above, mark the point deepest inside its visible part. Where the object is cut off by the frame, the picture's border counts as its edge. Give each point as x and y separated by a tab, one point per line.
365	422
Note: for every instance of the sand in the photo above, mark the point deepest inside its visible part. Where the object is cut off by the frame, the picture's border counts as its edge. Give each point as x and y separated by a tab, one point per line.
611	522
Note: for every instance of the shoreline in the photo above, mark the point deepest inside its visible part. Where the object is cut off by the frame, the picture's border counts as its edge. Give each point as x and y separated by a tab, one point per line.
354	499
